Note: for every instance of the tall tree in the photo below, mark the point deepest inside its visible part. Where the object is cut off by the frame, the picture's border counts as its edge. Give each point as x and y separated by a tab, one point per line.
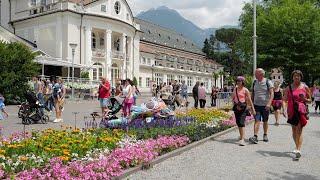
228	36
288	35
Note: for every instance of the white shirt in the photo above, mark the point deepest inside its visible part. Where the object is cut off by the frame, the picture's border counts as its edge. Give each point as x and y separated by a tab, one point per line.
126	91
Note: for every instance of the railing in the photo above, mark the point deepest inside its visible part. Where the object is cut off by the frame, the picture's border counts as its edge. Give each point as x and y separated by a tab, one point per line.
117	55
99	53
224	99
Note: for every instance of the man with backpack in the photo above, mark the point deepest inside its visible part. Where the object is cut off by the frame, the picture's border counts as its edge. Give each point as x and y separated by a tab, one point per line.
262	94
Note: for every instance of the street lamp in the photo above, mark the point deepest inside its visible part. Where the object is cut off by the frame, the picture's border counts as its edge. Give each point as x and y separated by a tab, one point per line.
73	47
254	36
152	72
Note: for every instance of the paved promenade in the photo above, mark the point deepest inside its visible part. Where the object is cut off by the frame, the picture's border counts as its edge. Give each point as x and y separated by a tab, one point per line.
223	159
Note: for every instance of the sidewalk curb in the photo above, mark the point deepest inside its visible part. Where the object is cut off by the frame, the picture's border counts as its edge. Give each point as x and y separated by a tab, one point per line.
174	153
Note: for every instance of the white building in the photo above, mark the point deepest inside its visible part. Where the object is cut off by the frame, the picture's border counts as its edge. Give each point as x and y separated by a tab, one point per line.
108	40
167	56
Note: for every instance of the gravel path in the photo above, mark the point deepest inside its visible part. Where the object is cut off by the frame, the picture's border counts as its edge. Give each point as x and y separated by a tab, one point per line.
223	159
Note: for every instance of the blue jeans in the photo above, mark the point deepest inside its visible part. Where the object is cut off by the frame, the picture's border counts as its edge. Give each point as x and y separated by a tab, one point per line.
41	100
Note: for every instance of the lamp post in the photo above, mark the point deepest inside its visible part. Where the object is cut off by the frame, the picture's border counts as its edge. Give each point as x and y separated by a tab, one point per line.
73	47
254	36
152	67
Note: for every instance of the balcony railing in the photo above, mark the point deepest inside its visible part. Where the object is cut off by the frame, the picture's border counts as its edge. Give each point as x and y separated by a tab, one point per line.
99	53
190	61
117	55
43	8
160	56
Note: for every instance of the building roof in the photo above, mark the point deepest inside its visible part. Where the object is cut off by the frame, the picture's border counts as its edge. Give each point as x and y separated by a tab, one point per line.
159	35
85	2
7	36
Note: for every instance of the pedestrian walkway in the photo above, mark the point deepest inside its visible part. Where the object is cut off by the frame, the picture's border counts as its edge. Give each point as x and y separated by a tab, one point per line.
224	159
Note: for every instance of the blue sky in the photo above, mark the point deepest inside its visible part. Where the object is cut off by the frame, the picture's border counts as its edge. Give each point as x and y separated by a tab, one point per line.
204	13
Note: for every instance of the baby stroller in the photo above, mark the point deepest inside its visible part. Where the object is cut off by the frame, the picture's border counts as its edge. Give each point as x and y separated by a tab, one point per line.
169	100
31	111
113	108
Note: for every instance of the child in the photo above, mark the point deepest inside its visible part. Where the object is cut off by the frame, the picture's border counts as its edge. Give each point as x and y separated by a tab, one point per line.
2	107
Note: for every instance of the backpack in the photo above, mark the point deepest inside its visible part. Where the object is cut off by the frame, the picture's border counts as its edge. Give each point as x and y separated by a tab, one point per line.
56	90
254	83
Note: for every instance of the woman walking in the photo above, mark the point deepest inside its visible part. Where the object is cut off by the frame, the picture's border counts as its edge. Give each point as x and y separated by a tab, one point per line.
277	101
240	98
297	95
202	95
128	98
316	96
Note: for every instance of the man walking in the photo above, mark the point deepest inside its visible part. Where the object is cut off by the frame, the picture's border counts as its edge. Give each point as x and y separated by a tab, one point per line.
104	94
262	93
184	92
195	94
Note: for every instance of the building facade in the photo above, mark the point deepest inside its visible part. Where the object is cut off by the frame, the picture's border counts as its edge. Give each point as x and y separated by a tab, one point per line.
166	56
109	41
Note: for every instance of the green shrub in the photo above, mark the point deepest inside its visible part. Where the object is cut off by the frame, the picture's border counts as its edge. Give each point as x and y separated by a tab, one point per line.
84	74
16	65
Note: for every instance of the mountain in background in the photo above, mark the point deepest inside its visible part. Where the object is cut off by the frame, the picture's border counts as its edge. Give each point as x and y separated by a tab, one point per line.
171	19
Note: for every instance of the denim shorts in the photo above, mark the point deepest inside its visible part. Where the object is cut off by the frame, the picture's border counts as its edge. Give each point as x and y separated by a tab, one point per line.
261	113
104	102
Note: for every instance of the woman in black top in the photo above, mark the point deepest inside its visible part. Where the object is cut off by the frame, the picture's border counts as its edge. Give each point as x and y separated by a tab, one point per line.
277	101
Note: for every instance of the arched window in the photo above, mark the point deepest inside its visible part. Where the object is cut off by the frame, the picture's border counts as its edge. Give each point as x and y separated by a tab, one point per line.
117	7
94	41
97	71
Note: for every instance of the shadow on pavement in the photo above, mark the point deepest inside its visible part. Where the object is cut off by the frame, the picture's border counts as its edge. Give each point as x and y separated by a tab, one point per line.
228	141
275	154
292	176
312	114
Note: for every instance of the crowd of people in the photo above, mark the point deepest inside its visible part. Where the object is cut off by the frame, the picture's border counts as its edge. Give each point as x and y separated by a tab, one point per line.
124	89
292	101
199	92
51	93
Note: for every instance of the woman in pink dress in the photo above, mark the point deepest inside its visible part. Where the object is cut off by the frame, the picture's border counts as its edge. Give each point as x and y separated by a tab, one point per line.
297	95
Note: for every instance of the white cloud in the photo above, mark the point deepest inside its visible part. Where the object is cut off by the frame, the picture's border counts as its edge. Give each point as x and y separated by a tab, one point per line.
204	13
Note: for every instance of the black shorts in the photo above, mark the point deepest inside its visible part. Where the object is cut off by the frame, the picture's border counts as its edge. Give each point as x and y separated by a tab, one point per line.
261	113
240	118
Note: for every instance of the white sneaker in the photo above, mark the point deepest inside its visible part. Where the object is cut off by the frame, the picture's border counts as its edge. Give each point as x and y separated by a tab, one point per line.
298	154
241	142
58	120
294	151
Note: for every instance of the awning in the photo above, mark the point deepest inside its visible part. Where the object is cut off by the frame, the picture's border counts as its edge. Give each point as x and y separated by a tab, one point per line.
56	62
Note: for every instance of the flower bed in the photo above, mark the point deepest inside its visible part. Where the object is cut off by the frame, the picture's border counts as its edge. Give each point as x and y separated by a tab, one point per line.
100	153
107	165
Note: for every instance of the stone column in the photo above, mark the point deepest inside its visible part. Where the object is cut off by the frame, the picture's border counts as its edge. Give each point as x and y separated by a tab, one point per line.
165	77
123	47
108	54
88	49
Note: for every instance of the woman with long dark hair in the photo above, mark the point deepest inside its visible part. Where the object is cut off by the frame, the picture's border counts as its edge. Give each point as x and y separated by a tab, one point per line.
297	95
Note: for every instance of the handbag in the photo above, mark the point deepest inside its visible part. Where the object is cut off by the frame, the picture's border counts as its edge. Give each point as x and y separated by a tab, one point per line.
294	120
239	107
